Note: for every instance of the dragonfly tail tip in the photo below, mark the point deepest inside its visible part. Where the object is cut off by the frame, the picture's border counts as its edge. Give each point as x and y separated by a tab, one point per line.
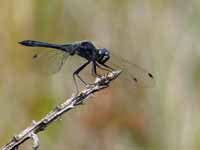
26	43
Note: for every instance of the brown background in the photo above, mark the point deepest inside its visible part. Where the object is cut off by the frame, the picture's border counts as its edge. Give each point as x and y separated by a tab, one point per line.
162	36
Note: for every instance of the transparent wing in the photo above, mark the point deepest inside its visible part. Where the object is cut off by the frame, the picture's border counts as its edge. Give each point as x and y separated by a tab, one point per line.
139	76
49	61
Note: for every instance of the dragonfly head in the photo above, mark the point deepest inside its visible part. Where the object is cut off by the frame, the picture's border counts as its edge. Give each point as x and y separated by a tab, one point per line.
103	55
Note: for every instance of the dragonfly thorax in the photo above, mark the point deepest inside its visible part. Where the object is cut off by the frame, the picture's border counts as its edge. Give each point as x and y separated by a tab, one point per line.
103	55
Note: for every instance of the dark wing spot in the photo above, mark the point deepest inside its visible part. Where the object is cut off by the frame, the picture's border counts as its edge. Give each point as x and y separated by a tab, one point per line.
35	56
150	75
135	79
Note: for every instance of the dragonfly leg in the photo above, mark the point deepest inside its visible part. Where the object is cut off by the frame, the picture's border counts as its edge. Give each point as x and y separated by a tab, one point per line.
76	73
105	67
81	79
94	69
99	66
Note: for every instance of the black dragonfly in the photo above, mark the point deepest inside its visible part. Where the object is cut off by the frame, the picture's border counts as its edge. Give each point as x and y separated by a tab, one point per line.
98	57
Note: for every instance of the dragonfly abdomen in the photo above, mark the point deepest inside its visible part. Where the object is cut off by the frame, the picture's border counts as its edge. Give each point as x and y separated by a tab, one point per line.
32	43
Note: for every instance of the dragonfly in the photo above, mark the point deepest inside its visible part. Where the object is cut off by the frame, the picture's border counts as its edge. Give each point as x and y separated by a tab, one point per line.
98	57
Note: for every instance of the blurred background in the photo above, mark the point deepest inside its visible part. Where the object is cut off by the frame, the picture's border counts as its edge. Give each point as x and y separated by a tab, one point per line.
161	36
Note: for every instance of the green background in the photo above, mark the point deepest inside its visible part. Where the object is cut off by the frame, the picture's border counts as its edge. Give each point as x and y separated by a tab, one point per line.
162	36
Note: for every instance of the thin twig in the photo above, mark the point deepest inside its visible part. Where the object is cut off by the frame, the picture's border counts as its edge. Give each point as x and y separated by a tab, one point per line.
31	131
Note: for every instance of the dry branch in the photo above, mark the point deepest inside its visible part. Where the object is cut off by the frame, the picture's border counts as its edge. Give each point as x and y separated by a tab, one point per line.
36	127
